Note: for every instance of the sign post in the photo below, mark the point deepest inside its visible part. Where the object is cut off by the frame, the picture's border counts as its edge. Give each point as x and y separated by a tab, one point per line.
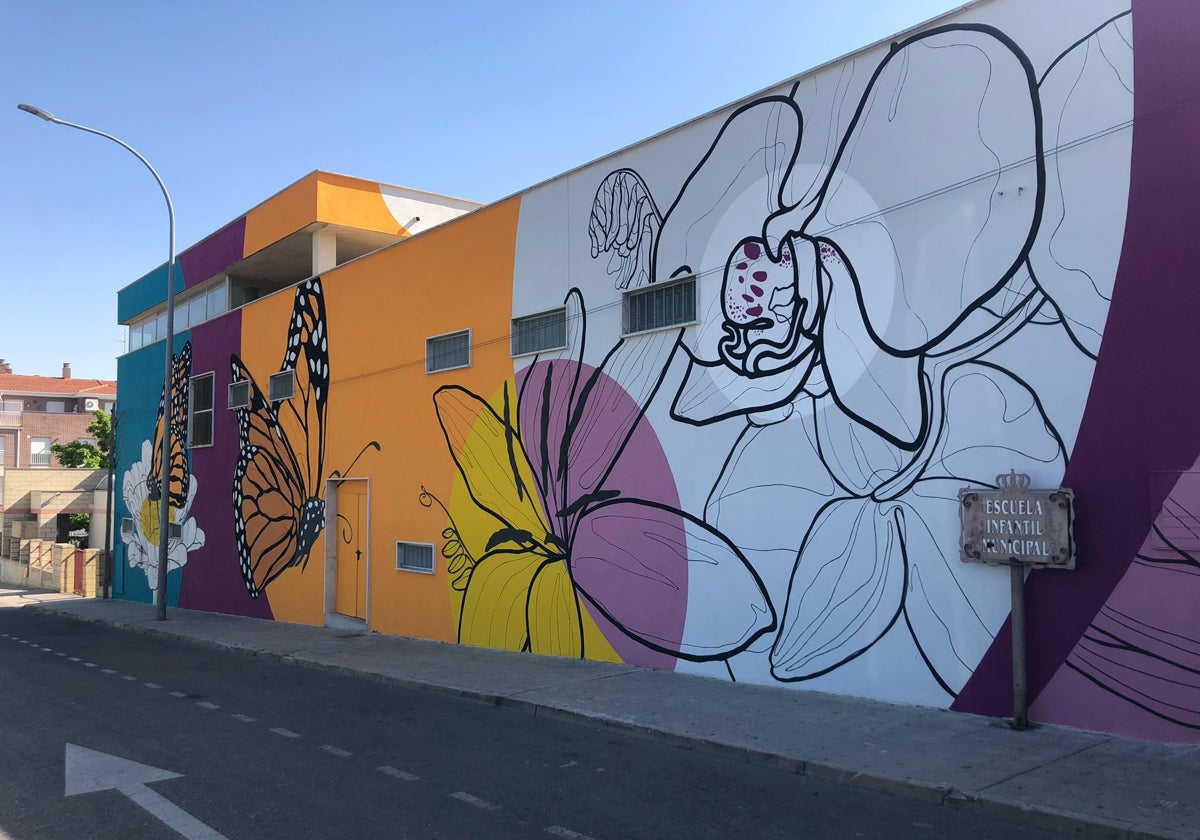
1019	527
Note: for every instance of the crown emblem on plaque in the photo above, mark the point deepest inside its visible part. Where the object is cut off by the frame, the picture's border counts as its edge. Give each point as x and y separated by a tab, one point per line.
1013	481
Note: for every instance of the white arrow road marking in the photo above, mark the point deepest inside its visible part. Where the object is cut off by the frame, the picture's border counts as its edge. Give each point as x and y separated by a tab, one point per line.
88	771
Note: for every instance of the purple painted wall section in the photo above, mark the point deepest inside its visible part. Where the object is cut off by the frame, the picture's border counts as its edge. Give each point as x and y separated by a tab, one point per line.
1147	369
213	254
211	579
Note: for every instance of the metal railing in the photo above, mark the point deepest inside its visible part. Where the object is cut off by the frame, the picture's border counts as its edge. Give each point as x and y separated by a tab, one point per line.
39	459
10	419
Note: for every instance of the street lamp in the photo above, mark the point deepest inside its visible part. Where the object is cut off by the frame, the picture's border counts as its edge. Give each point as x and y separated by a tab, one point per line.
164	499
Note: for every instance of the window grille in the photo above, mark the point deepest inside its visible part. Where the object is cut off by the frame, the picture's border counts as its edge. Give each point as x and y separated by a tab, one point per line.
200	411
657	307
446	352
239	394
281	386
414	557
538	333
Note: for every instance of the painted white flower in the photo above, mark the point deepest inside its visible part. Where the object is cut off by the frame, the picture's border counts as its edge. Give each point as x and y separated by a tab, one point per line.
141	546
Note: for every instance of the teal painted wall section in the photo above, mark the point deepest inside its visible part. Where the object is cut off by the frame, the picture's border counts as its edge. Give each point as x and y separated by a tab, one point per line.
147	292
140	374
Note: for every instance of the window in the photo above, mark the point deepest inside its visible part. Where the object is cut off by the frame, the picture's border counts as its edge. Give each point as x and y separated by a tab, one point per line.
239	394
127	527
657	307
446	352
537	333
414	557
56	406
200	411
281	386
217	301
39	452
3	460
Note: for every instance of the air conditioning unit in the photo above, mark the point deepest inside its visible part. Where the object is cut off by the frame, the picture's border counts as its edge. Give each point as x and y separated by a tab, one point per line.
91	405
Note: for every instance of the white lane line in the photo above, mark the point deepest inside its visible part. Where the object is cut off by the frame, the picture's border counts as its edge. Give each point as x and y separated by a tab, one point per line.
463	796
89	664
178	694
286	733
204	704
128	677
388	770
244	718
107	671
59	653
74	659
568	834
23	641
338	751
152	685
48	650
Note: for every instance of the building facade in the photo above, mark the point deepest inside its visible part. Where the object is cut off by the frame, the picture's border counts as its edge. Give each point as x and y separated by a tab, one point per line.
707	404
37	411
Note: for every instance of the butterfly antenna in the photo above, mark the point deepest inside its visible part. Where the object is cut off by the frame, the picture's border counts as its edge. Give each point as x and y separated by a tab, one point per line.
363	451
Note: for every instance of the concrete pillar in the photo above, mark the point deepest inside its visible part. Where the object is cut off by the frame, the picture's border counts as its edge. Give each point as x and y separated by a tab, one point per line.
324	251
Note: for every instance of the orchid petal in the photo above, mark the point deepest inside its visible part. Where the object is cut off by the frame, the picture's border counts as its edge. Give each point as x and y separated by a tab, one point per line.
847	588
1087	107
959	223
994	423
885	392
492	461
495	600
668	580
553	614
713	392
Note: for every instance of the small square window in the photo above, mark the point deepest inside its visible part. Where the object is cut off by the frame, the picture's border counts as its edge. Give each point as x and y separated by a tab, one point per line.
539	333
239	394
414	557
281	386
127	526
446	352
200	411
657	307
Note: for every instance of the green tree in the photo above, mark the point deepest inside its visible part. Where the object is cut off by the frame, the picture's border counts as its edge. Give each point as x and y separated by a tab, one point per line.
87	455
77	454
101	430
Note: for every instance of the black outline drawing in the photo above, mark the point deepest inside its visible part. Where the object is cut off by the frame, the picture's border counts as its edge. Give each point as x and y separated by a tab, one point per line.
289	467
797	369
571	489
180	475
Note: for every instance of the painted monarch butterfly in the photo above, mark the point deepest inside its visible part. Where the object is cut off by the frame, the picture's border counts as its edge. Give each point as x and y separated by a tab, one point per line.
278	483
176	424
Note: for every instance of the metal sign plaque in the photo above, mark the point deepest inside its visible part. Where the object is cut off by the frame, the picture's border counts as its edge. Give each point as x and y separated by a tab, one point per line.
1017	525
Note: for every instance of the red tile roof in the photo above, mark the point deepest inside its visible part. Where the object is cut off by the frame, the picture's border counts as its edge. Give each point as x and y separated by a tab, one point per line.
11	383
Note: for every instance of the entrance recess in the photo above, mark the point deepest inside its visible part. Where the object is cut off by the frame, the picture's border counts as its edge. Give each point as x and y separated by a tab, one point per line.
351	561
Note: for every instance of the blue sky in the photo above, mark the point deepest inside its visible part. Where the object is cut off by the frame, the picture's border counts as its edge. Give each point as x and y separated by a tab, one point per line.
233	101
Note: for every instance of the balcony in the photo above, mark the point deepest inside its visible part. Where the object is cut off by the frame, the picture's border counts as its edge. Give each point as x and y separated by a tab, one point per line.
39	459
10	419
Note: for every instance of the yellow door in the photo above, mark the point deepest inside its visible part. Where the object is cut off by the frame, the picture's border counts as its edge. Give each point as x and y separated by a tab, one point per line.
350	596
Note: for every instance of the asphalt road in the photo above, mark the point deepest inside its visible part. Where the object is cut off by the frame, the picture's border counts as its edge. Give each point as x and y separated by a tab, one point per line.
264	749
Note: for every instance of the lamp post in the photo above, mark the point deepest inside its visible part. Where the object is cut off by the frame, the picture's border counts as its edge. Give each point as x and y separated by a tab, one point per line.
164	500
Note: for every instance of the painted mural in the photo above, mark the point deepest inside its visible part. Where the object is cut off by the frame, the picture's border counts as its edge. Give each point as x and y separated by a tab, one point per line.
901	275
143	493
279	478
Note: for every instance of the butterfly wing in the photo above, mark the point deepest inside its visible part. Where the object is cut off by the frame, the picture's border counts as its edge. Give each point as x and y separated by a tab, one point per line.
307	354
269	491
175	424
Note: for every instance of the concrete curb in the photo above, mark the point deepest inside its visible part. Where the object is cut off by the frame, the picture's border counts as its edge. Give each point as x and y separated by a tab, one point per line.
1045	818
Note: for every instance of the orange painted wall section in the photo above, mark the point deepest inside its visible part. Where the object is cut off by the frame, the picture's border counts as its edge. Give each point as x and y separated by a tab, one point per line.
281	215
379	313
354	203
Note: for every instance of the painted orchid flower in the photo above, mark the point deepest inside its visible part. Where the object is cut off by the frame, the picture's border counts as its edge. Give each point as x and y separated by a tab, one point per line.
142	543
570	519
853	282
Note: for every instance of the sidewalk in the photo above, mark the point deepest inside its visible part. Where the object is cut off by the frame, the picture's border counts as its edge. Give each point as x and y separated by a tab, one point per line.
1068	780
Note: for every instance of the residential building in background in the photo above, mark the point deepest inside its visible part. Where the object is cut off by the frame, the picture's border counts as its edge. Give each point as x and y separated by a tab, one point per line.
707	404
38	411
